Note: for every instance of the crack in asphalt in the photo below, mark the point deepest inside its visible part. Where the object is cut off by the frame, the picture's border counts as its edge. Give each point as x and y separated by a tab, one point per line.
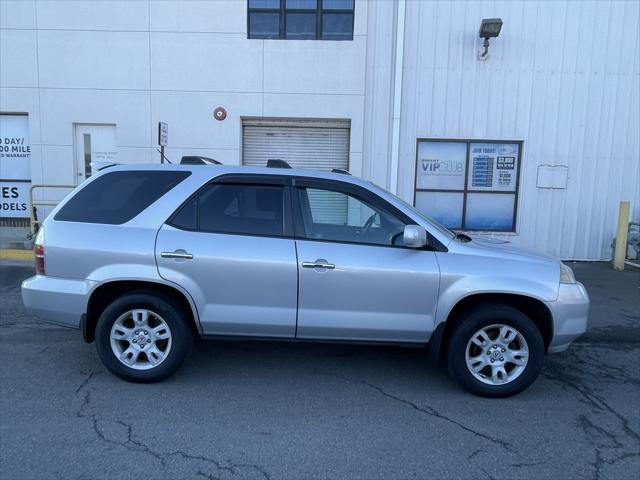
208	476
90	375
428	410
601	438
136	445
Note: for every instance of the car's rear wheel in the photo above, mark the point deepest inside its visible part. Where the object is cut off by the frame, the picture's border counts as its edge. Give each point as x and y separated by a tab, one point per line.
141	337
495	351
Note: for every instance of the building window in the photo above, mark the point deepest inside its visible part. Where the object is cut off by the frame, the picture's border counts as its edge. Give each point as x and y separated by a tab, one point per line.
469	184
301	19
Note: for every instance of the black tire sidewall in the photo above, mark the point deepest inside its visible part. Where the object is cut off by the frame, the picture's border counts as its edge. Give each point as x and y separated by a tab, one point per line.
478	318
181	336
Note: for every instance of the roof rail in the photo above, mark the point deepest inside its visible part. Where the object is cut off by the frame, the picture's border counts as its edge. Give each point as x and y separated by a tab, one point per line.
277	163
99	166
340	170
198	160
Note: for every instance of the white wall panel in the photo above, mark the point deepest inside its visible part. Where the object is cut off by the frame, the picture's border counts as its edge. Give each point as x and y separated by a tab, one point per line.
128	110
302	66
92	59
570	95
214	16
361	8
58	166
18	60
205	62
23	100
137	155
378	105
18	14
191	122
348	107
122	15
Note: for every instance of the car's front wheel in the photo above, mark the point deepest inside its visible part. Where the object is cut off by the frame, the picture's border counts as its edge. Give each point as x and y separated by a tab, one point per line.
141	337
495	351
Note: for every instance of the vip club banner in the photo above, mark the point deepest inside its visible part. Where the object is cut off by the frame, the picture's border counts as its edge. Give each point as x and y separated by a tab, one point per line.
15	166
468	185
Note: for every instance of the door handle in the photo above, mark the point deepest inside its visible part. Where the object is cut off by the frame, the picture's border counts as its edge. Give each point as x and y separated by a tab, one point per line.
177	254
319	264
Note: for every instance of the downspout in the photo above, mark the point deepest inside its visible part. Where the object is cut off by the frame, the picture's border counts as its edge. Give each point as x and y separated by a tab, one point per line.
397	97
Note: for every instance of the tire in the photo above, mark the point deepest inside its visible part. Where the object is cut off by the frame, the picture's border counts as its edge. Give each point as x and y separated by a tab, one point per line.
501	348
163	331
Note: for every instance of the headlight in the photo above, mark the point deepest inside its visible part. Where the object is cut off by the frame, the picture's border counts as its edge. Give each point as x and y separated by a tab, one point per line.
566	274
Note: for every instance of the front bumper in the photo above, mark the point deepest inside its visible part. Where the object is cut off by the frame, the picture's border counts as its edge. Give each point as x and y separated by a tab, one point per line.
570	315
61	301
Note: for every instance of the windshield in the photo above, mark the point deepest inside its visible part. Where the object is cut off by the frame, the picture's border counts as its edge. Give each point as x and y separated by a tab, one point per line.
441	228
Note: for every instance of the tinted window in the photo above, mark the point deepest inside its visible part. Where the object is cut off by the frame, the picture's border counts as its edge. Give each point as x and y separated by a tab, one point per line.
301	26
264	24
187	217
117	197
242	209
300	19
338	216
337	26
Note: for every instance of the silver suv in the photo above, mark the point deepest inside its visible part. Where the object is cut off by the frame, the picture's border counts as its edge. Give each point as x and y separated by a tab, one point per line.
143	258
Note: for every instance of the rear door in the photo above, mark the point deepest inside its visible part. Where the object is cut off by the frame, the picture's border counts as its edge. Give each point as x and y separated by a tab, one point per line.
231	247
357	280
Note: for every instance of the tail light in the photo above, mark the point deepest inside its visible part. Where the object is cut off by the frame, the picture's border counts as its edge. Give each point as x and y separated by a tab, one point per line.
38	252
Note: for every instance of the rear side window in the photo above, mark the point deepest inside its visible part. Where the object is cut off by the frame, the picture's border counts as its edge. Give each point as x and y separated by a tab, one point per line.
234	208
117	197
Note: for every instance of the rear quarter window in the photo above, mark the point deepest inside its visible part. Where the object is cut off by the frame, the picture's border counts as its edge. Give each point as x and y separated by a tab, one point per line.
117	197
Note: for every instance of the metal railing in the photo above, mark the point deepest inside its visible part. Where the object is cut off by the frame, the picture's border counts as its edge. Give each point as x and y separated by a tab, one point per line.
34	223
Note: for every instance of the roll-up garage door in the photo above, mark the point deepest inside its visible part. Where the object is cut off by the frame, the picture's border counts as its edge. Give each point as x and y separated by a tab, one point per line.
319	145
312	144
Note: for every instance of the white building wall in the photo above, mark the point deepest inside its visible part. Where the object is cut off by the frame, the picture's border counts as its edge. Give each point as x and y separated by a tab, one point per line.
563	77
379	84
135	63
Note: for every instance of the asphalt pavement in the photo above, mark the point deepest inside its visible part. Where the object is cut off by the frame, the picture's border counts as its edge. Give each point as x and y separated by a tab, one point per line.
267	410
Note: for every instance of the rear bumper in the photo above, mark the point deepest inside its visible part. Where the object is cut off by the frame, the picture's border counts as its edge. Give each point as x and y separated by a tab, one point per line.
570	315
61	301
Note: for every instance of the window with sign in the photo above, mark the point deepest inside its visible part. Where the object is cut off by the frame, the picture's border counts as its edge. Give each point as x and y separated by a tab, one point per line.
300	19
469	184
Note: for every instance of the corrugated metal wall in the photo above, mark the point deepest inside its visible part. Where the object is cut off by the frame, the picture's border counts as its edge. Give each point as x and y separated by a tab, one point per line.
562	76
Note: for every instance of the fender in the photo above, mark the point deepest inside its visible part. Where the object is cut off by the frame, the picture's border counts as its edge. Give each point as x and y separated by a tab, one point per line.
139	273
453	292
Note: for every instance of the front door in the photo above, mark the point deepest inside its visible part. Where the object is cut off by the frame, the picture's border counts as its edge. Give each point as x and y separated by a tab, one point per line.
230	247
357	280
95	145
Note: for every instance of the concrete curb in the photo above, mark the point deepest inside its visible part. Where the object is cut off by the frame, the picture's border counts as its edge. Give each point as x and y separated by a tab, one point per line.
15	254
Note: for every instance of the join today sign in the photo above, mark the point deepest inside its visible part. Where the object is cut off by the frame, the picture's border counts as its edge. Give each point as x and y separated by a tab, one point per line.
15	166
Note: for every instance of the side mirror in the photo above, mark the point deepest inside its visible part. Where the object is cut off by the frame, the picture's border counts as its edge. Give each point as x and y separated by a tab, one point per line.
414	236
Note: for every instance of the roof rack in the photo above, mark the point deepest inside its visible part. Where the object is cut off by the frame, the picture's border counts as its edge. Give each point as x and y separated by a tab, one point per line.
99	166
198	160
340	170
277	163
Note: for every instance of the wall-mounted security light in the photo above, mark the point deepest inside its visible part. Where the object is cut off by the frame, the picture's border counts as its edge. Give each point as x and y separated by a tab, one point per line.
489	28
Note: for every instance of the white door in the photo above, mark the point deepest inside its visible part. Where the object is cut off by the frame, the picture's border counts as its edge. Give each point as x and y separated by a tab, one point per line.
95	147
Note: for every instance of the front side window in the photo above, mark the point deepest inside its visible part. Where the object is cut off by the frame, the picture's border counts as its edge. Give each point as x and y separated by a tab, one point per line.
234	208
336	216
301	19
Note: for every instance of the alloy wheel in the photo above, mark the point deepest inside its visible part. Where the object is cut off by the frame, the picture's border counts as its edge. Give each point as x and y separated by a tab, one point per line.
497	354
140	339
